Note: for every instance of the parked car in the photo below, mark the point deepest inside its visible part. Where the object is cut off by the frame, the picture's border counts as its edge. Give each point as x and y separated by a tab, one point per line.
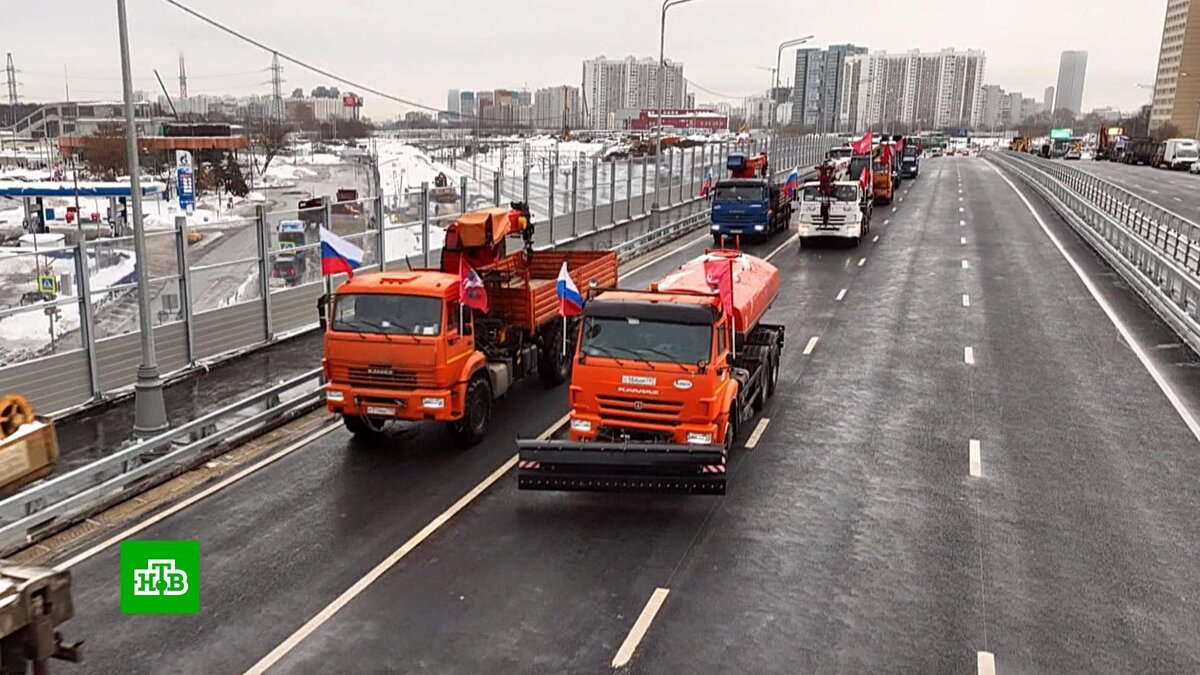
1072	154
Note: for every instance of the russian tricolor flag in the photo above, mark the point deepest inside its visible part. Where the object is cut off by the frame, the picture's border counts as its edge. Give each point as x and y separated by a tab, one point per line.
792	184
338	256
570	302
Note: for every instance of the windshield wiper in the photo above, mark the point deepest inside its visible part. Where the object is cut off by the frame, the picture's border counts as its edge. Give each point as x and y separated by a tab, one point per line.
604	352
669	357
379	330
637	357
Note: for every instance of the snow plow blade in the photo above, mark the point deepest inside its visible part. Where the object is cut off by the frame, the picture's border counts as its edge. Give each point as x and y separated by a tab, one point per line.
620	467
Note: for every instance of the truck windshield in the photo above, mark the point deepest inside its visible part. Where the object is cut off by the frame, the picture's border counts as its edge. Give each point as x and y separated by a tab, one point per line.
630	338
739	193
840	153
857	164
388	314
841	193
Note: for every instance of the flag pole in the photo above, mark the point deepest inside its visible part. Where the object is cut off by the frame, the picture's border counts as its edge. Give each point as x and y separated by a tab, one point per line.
564	332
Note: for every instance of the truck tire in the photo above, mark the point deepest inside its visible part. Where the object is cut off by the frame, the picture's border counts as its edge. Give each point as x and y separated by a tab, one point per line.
772	374
362	427
554	367
716	241
731	428
477	412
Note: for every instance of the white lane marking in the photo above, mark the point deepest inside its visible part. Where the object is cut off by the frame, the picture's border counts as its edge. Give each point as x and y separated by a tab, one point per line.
961	209
962	223
379	570
969	356
655	603
752	442
1177	199
841	294
893	209
1162	383
960	199
960	191
812	344
875	239
668	254
176	508
975	458
779	248
962	240
986	663
966	264
862	261
902	198
966	300
886	221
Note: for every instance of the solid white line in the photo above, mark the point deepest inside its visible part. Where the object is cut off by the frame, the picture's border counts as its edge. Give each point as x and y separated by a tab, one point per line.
1176	402
752	442
779	248
862	261
875	239
975	458
966	264
176	508
812	344
966	300
986	663
655	603
969	356
379	570
668	254
841	294
962	240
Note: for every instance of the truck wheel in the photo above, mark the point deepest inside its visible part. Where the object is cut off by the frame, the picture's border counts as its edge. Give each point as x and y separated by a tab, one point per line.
477	413
731	428
554	367
363	427
772	374
716	241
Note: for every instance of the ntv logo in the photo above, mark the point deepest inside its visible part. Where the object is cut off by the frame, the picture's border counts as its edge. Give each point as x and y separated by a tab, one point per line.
160	577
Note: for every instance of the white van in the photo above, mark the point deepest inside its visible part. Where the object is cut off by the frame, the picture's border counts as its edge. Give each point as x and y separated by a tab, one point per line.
1180	153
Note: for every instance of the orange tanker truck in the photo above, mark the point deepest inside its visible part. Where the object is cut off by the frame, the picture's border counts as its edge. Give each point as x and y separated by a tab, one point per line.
662	380
401	345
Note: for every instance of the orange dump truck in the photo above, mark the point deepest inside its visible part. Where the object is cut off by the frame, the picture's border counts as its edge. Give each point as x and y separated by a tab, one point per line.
399	345
663	379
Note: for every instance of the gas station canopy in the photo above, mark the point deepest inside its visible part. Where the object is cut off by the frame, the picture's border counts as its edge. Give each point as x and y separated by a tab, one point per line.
69	189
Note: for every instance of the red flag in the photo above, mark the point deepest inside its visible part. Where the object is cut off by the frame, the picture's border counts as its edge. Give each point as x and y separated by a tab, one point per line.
471	290
885	155
865	179
900	146
863	145
719	274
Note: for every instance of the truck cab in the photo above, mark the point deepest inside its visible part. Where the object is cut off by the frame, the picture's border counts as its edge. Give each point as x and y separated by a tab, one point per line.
748	205
844	212
1177	153
910	161
291	255
882	187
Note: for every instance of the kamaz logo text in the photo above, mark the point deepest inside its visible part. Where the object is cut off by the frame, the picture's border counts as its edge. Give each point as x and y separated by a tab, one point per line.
160	577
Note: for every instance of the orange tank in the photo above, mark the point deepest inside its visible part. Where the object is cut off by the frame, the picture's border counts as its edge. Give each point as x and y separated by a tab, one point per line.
755	284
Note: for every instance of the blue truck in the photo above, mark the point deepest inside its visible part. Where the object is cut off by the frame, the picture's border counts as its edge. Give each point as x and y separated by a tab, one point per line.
910	161
749	205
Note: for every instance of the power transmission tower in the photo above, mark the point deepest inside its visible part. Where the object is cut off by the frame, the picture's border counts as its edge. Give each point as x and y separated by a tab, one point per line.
182	78
11	72
276	89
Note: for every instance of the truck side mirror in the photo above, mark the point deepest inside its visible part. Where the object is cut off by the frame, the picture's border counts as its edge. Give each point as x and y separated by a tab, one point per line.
322	311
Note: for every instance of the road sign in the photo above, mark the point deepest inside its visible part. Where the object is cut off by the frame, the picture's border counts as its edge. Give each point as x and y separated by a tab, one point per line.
48	283
1060	133
186	189
183	159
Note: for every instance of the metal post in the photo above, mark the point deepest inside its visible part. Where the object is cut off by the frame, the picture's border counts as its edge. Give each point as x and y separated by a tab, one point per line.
525	186
628	188
327	222
380	234
612	192
595	192
264	269
552	186
185	285
496	189
150	410
88	325
462	198
425	224
575	199
644	162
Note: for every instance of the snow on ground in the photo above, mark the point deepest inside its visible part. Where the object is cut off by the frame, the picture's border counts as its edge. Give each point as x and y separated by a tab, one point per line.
403	167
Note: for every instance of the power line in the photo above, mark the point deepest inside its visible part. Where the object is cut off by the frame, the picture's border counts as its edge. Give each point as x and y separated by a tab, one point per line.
719	94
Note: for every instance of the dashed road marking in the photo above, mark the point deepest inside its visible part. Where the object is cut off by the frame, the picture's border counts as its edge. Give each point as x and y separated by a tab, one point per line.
841	294
389	562
962	223
966	264
969	355
893	209
886	221
962	240
756	435
974	458
986	663
862	261
812	344
961	209
875	239
966	300
655	603
960	199
1177	199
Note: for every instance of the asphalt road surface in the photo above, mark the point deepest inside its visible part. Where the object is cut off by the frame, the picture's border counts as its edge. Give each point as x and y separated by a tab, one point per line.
1175	191
972	462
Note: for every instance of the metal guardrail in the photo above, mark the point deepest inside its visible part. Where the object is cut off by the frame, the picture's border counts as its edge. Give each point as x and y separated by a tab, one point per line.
66	499
1152	248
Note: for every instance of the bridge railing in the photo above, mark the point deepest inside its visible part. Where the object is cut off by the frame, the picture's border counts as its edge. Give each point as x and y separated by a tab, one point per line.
1155	250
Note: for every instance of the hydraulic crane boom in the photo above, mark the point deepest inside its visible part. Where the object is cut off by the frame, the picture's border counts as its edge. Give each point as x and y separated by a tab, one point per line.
741	166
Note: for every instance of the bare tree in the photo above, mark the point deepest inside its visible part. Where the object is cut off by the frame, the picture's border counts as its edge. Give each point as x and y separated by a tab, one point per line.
106	151
269	139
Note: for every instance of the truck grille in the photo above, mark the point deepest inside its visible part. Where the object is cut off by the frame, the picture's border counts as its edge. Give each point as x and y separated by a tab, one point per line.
737	217
627	409
379	378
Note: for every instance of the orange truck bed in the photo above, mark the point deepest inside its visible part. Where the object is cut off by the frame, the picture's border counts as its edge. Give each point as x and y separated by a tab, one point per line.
526	295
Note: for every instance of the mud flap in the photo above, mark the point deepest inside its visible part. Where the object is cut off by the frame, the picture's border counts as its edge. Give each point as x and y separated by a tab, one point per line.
620	467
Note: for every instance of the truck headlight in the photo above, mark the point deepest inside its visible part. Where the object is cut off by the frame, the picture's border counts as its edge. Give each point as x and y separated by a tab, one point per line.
760	228
334	396
714	228
433	403
699	439
581	425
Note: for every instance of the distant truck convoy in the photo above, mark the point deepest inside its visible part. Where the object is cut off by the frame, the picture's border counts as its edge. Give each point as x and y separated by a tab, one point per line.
749	205
663	379
402	345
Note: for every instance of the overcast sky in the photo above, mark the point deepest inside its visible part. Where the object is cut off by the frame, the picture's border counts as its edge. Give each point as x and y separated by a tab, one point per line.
418	50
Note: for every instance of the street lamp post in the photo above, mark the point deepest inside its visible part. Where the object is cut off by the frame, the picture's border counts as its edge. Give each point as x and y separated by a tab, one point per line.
150	411
775	86
655	208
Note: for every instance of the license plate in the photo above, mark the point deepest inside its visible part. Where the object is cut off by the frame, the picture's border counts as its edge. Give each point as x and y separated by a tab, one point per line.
380	410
